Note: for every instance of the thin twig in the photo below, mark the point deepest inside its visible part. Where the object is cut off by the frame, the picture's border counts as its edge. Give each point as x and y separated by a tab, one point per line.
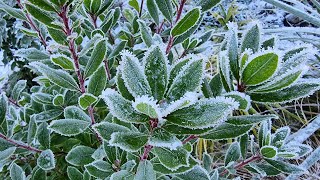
20	144
243	163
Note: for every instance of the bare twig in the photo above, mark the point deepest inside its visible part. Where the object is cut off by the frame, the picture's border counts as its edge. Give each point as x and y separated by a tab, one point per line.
20	144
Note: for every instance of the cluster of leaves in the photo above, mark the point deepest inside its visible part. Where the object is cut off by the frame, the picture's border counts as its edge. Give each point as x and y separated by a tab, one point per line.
113	100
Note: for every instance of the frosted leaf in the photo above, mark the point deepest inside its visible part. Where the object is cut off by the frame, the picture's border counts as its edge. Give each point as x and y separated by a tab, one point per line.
63	61
121	86
16	172
58	77
99	169
162	138
203	114
74	112
172	159
47	115
243	99
122	108
69	127
176	68
196	173
232	48
249	119
97	56
42	98
133	75
251	38
89	45
233	153
226	131
188	99
122	174
80	155
99	153
268	151
46	160
145	171
280	135
302	88
178	130
285	167
86	100
128	141
105	129
73	173
189	79
283	81
225	71
32	54
159	167
5	154
156	71
147	106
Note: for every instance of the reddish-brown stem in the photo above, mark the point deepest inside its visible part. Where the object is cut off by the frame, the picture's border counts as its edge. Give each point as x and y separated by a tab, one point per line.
182	2
191	137
12	101
94	20
19	144
241	87
141	7
106	65
169	46
158	31
147	149
243	163
33	26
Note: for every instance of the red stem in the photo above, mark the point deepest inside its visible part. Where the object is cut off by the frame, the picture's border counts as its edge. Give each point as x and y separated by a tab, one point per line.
33	26
147	149
107	69
13	102
191	137
19	144
160	28
141	7
243	163
169	46
180	10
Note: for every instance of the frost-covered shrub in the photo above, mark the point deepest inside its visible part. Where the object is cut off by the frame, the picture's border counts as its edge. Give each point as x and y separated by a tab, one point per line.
113	99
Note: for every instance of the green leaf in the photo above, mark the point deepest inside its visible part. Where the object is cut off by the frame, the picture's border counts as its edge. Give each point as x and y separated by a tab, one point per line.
207	162
16	172
251	39
225	71
260	69
243	142
105	129
233	153
122	108
58	100
98	81
268	151
197	173
7	153
42	16
86	100
69	127
263	134
156	70
206	113
32	54
46	160
269	43
99	169
135	5
159	167
227	131
153	11
74	112
58	77
43	135
297	91
32	129
95	6
267	169
285	167
97	56
133	75
281	134
117	49
147	106
188	80
3	112
5	145
122	87
172	159
145	33
174	129
42	4
128	141
207	4
74	173
188	33
145	171
14	12
189	20
161	138
178	67
62	61
47	115
249	119
232	49
121	175
18	88
80	155
243	99
42	98
166	9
